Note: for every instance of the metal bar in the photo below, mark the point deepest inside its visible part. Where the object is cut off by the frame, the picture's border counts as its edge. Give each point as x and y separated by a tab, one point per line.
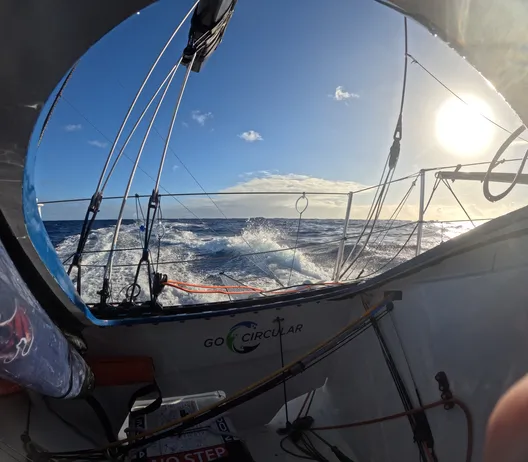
496	177
108	269
421	214
140	90
136	125
173	121
341	250
473	164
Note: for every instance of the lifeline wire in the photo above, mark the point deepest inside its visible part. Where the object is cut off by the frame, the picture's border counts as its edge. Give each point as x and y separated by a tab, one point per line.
269	270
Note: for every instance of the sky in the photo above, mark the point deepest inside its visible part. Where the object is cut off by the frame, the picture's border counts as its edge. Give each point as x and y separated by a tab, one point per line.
300	96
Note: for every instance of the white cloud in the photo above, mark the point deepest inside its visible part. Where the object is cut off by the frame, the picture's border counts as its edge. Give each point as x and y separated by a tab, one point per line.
277	205
201	117
341	94
175	167
98	144
72	127
251	136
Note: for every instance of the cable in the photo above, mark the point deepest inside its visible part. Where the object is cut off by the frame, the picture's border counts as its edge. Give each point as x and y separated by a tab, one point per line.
389	226
459	403
299	456
284	387
513	135
392	160
304	404
495	161
415	61
437	182
448	186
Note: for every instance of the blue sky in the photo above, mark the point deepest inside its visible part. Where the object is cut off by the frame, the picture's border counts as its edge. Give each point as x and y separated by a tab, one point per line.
314	86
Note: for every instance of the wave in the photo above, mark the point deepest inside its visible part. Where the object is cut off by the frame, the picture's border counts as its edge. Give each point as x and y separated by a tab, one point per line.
257	256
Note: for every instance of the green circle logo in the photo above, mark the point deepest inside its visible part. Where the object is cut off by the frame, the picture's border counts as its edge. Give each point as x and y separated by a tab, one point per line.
234	338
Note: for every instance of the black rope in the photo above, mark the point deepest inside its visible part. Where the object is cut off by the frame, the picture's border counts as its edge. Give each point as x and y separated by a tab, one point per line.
420	426
278	319
299	456
102	417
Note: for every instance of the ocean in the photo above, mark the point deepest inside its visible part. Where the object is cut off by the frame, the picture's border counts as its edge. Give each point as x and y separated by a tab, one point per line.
255	252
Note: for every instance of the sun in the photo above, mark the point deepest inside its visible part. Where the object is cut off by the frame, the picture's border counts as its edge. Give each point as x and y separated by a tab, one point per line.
461	129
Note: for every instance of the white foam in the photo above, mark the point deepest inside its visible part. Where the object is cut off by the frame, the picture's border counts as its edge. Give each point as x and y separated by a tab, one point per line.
182	244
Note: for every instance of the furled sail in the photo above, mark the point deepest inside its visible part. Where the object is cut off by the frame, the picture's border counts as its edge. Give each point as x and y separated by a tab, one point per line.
208	25
490	34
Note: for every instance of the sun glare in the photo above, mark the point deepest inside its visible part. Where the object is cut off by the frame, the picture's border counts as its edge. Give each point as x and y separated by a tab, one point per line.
461	129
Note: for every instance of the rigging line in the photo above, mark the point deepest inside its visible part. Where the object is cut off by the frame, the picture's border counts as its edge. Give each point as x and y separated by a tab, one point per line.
382	197
392	160
369	217
389	226
414	60
108	269
420	434
140	90
299	456
304	404
396	330
278	319
269	271
55	101
395	215
437	182
398	129
459	203
346	341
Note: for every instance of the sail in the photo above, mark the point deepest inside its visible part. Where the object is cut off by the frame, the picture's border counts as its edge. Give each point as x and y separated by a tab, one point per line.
208	25
490	34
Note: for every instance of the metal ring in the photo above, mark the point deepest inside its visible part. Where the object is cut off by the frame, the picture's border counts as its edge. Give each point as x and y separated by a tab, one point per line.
300	212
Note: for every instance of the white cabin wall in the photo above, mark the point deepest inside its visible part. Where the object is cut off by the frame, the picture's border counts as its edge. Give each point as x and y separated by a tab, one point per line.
185	366
467	316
